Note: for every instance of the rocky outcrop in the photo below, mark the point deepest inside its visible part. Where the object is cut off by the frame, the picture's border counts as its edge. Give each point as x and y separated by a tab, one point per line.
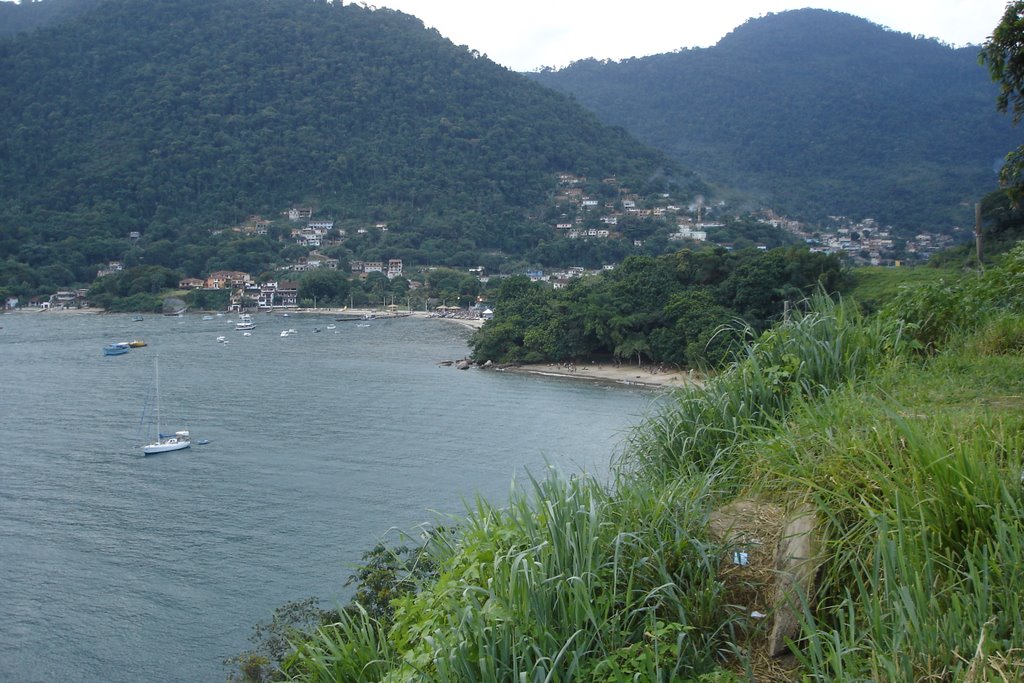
772	557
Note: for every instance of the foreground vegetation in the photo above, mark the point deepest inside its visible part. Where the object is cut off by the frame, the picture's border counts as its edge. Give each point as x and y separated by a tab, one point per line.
903	431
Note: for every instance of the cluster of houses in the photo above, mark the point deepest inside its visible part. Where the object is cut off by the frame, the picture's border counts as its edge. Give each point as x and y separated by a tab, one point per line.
628	205
863	242
392	269
281	293
245	293
62	299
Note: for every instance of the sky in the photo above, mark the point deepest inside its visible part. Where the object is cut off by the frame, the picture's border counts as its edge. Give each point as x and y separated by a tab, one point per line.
525	35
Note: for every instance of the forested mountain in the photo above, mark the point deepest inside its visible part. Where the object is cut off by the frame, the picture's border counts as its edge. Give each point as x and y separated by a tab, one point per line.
817	112
176	117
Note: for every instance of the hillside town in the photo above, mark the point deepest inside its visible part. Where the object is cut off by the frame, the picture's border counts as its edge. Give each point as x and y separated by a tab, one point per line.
578	215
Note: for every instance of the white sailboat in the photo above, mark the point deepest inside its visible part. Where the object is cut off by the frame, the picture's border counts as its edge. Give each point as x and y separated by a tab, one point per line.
164	443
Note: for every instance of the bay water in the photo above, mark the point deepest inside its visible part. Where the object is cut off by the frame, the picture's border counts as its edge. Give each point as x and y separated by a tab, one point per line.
118	567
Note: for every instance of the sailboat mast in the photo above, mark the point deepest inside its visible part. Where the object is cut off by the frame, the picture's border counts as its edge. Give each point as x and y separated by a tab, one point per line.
157	363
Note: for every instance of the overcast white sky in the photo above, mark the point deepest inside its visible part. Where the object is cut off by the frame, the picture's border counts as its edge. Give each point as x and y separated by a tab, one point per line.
527	34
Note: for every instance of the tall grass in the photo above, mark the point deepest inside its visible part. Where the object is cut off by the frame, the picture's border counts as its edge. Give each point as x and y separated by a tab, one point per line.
814	353
924	519
569	582
938	312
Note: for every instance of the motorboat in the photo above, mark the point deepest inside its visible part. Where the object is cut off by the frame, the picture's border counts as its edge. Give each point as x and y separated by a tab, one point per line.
116	349
245	322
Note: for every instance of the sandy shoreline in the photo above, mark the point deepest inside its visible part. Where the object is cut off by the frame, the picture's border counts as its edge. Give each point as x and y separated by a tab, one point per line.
619	374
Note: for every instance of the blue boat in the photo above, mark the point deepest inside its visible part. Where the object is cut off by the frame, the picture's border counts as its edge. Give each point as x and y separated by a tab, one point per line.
116	349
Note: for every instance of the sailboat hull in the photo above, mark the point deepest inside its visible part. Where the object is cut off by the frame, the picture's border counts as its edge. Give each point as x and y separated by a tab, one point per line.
165	447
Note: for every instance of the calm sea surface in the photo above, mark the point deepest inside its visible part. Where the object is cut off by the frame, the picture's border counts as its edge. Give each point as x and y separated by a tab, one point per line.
116	567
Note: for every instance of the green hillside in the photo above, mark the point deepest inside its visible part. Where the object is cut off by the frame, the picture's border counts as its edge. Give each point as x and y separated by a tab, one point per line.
178	117
817	113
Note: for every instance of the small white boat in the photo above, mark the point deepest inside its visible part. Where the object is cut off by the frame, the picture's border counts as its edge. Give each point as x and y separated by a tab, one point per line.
331	326
247	334
245	322
284	333
222	339
362	324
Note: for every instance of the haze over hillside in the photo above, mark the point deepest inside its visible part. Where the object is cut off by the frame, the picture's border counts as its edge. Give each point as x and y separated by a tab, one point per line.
816	113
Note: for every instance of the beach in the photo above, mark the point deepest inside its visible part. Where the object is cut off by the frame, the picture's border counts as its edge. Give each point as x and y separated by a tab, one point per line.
621	374
651	376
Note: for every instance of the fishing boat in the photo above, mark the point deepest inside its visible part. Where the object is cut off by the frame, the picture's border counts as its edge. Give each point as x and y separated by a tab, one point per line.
174	442
116	349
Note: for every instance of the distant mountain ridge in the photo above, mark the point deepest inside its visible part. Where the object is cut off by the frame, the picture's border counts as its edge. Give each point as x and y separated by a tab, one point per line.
817	113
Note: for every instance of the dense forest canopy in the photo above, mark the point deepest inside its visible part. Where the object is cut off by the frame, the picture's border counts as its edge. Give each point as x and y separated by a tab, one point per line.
690	308
818	113
173	118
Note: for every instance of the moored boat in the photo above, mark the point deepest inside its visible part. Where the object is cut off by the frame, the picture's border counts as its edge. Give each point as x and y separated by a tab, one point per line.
180	440
164	443
245	322
136	343
116	349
